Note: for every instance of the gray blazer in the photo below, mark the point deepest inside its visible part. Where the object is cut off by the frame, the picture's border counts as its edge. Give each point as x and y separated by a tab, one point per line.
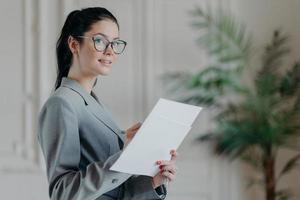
80	141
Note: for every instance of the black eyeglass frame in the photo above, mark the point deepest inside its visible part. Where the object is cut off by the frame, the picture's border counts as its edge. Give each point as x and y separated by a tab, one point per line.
108	43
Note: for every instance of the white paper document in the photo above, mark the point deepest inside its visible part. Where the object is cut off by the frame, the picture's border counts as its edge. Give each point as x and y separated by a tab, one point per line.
163	130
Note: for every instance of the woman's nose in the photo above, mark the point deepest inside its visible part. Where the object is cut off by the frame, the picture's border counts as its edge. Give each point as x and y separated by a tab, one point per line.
108	50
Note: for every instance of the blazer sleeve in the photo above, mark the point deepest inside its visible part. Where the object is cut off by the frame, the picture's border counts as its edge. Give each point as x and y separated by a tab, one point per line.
140	187
59	139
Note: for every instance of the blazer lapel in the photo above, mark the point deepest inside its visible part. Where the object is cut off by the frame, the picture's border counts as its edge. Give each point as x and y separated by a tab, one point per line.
102	115
94	106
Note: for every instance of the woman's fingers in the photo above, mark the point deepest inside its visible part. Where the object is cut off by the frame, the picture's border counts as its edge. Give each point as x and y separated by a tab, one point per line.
174	154
135	126
164	162
167	168
171	168
132	130
130	134
168	175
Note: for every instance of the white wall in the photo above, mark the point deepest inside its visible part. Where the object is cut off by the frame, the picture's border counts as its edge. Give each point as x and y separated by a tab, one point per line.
159	40
21	177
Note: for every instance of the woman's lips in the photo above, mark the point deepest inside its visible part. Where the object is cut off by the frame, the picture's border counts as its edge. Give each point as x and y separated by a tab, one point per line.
105	62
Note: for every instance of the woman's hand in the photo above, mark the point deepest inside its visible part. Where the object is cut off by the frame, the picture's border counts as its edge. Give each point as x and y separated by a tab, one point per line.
130	133
167	170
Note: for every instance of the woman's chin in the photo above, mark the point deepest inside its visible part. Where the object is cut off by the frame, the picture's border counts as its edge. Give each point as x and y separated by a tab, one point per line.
104	70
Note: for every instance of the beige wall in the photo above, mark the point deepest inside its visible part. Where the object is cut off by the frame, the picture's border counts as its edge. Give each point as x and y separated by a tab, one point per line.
160	40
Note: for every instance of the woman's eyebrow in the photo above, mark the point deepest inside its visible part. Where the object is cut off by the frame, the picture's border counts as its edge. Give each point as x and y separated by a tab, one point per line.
105	36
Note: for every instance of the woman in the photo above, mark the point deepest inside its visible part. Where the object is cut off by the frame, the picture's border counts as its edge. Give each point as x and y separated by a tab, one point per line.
78	137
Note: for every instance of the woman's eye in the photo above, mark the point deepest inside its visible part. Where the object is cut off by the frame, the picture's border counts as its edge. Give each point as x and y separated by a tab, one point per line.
99	41
117	43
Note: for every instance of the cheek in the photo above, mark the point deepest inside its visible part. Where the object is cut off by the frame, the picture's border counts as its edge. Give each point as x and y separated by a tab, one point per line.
90	56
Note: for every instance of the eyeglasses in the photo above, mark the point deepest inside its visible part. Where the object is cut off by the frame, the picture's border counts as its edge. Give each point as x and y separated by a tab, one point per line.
101	44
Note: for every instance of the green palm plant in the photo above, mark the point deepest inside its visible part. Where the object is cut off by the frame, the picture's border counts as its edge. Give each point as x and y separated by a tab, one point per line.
264	118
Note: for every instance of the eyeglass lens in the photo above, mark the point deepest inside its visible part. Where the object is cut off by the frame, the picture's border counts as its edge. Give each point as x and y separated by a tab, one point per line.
102	43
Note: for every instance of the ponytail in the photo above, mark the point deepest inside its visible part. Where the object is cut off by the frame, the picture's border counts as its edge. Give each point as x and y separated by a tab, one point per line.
63	52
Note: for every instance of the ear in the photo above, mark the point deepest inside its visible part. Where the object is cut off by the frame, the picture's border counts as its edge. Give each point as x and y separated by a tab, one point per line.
73	44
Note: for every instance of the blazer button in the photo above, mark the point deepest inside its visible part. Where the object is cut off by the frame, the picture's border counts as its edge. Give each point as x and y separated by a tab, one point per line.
114	180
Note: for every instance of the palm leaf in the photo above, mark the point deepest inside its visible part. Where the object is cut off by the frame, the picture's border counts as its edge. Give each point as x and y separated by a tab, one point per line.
290	165
224	38
283	194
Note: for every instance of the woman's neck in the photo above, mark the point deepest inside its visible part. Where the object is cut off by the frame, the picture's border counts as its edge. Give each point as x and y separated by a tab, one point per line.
86	82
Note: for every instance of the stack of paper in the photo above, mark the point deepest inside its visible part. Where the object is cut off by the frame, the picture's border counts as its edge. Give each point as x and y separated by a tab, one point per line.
163	130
